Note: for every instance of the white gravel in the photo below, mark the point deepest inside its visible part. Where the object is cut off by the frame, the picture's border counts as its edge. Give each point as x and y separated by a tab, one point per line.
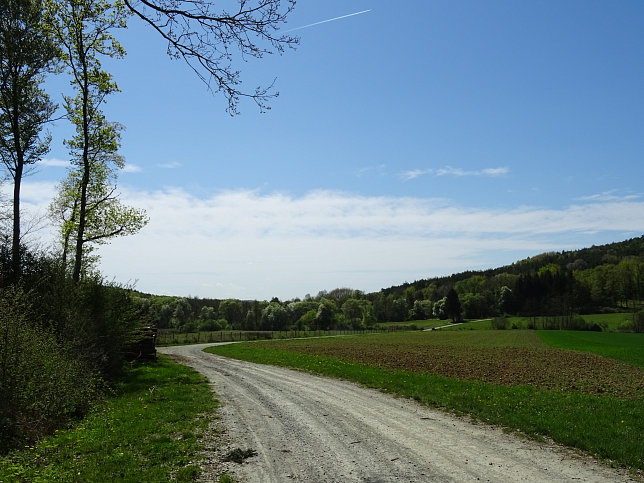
315	429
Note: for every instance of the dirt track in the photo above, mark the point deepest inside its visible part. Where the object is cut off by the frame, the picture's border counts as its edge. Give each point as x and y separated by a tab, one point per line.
313	429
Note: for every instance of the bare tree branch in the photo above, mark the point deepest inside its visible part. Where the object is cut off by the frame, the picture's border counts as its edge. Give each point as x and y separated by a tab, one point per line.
209	41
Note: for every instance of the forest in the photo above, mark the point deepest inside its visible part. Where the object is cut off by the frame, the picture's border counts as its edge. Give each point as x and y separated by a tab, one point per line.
599	279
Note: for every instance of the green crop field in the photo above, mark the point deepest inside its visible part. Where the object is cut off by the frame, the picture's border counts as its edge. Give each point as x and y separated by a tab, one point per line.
511	378
616	345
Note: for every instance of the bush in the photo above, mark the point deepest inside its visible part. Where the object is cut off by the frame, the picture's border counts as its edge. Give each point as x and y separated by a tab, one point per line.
500	323
59	342
638	322
41	384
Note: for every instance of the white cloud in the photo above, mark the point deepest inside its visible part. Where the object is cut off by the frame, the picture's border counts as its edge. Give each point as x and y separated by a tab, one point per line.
37	194
495	171
379	170
249	244
611	195
132	168
171	165
53	162
415	173
451	171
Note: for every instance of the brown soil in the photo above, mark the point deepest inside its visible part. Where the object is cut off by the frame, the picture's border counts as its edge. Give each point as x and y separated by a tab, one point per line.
542	367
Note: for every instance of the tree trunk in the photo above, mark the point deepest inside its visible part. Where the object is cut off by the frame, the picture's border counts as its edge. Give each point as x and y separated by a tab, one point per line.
82	212
15	248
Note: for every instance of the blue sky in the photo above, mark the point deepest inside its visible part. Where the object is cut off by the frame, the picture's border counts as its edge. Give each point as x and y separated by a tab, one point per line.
412	140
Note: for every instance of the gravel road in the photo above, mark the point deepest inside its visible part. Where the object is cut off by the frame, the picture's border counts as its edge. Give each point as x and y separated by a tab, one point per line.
315	429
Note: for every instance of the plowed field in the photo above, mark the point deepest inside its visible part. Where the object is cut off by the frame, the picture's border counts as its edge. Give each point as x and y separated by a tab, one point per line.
508	358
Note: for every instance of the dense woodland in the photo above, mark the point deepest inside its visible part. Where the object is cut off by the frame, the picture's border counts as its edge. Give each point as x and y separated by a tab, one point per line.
606	278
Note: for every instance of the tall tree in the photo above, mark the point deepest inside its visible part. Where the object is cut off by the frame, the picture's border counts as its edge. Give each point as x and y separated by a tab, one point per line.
84	30
106	217
208	40
26	54
453	305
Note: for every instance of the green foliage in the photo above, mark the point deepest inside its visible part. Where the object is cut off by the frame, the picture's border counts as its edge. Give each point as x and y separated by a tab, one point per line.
58	341
325	318
87	206
181	314
42	383
500	323
592	280
474	306
149	430
307	320
506	300
26	54
275	317
422	309
358	313
232	311
105	216
452	306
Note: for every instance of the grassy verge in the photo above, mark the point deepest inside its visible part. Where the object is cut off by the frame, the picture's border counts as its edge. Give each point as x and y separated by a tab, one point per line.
608	322
606	426
149	431
616	345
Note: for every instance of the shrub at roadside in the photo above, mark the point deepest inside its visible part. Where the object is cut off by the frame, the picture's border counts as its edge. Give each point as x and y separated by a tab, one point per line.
61	343
41	385
500	323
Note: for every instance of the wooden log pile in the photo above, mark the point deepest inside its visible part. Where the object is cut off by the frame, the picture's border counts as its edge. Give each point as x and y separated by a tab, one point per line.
142	347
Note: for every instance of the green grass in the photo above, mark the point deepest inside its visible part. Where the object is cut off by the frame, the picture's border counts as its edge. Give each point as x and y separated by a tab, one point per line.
616	345
149	431
479	324
608	322
608	427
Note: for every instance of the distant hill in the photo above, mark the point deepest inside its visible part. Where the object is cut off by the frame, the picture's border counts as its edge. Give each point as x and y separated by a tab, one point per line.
592	257
600	278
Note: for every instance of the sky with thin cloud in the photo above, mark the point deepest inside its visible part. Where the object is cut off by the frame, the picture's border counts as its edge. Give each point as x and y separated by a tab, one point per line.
409	140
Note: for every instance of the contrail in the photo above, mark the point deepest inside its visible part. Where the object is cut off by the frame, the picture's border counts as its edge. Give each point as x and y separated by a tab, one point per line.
328	20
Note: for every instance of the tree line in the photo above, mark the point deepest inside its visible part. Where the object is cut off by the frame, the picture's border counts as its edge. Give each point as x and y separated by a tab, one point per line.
338	309
592	280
